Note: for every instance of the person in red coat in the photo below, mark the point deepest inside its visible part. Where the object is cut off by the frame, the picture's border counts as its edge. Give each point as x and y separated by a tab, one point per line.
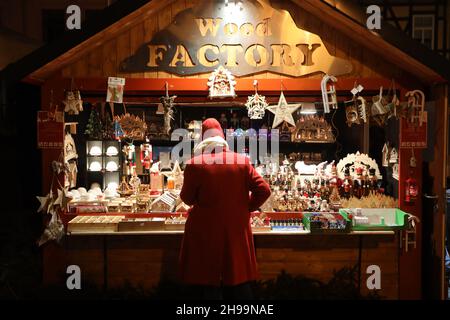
223	188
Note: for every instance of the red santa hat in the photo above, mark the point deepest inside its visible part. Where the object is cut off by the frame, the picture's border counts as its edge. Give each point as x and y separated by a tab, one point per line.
212	128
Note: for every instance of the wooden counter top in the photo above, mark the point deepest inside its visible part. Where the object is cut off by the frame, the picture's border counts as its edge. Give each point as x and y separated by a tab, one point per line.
267	233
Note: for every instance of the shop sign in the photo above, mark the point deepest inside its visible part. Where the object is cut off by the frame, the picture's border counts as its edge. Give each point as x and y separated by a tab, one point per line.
256	38
50	127
412	135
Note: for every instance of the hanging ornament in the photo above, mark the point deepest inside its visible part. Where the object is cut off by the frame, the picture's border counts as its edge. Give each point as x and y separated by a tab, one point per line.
416	107
379	109
283	111
115	90
118	132
72	102
412	160
256	104
394	105
53	231
167	102
329	93
395	171
45	202
53	206
351	107
385	155
393	156
221	84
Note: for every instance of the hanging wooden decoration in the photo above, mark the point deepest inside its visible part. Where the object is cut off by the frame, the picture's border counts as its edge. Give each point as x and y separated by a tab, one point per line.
256	104
361	104
133	127
385	155
416	107
393	156
393	106
329	93
351	113
72	102
283	111
221	84
355	109
168	103
395	171
115	90
379	110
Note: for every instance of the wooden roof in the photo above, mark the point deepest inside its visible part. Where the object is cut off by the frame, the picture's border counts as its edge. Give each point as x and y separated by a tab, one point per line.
391	44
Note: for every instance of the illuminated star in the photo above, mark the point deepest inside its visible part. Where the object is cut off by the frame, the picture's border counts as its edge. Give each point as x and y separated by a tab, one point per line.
283	112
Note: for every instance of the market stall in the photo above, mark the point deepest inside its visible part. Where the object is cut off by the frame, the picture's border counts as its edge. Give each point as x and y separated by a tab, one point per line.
335	128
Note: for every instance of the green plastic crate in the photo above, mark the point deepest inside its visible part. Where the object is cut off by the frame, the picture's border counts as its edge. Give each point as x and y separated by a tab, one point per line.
394	219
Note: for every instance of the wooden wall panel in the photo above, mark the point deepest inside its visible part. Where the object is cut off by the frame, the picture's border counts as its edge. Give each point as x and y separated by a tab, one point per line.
109	55
87	253
136	41
144	260
150	28
383	252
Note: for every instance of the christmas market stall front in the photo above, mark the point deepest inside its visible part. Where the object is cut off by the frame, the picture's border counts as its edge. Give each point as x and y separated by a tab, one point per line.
342	110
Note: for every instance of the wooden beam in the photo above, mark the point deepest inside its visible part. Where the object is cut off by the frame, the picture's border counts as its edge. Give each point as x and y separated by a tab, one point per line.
94	85
97	40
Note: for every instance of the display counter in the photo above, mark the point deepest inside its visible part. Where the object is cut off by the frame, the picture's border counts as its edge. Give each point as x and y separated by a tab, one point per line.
144	258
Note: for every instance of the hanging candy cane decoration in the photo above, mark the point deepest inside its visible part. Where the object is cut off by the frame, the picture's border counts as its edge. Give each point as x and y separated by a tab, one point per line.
329	93
416	106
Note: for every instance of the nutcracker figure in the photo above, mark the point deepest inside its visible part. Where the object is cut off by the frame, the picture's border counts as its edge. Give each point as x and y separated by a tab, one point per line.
130	159
146	157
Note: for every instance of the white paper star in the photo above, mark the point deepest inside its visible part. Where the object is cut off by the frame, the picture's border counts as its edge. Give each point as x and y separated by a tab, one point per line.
283	112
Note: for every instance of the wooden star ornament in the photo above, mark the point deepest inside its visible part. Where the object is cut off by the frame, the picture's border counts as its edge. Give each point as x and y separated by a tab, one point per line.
44	202
283	111
62	200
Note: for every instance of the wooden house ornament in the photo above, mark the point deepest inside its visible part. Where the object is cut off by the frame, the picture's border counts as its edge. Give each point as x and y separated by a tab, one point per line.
221	84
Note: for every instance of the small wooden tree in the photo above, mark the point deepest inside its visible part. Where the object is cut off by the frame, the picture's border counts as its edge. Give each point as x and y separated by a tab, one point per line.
94	127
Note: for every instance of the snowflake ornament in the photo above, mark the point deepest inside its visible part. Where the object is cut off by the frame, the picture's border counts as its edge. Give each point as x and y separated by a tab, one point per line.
256	106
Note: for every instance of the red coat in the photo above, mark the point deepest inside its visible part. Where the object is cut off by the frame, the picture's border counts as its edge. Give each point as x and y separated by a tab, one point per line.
218	242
